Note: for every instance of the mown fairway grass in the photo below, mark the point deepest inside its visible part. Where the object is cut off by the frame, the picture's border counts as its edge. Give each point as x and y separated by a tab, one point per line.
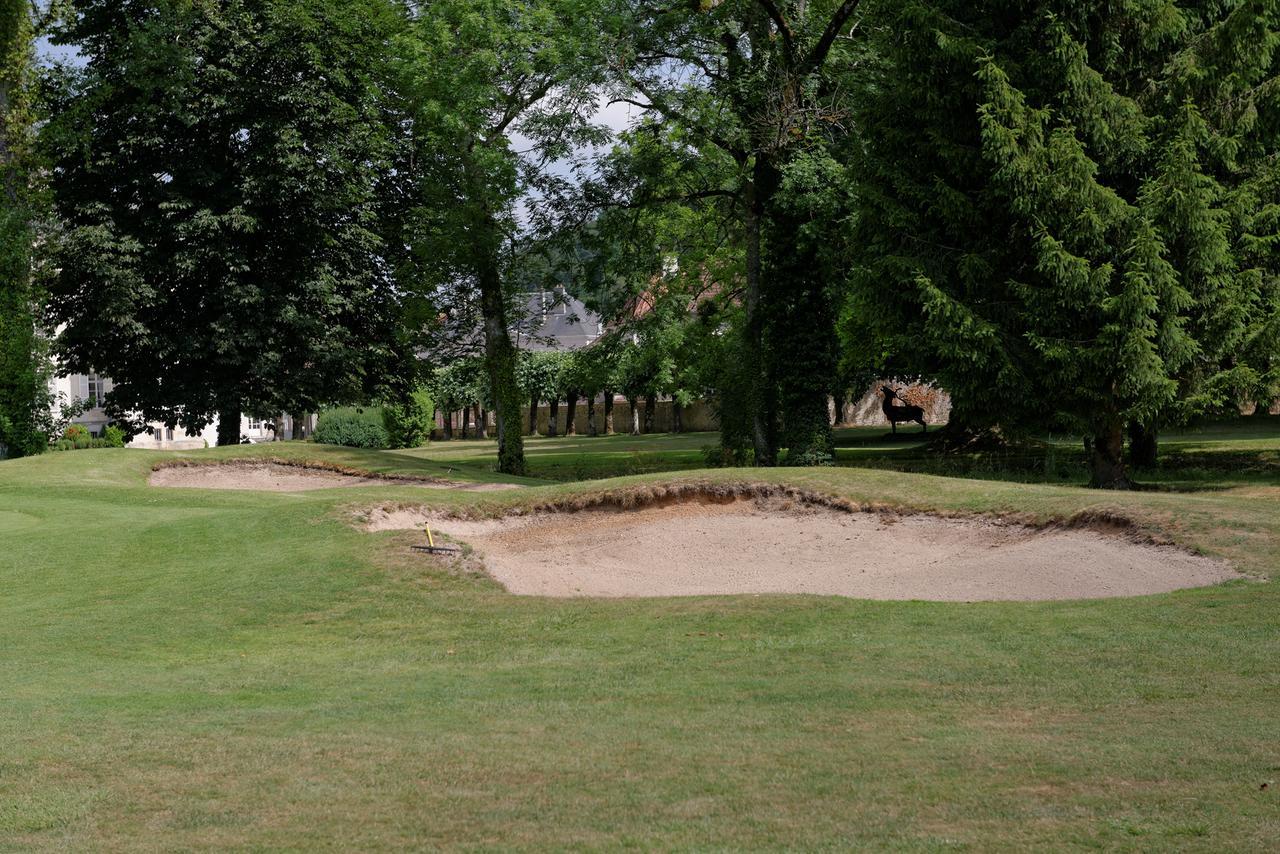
183	669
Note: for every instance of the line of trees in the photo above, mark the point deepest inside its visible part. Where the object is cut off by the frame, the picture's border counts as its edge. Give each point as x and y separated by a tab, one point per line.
1065	213
561	380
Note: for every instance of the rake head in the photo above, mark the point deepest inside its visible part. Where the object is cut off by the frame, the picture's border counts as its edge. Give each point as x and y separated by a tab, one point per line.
434	548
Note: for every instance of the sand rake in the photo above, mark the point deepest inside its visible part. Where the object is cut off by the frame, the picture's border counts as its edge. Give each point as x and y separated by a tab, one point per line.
434	548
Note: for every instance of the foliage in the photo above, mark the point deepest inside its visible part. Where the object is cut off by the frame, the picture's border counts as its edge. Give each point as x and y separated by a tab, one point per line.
351	429
461	383
481	72
1061	205
24	403
540	374
409	421
114	437
757	89
225	173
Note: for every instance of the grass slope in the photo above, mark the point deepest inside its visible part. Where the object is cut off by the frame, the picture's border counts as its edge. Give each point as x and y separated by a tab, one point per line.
186	669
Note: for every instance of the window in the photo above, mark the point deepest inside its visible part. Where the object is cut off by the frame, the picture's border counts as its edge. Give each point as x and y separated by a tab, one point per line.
95	391
255	423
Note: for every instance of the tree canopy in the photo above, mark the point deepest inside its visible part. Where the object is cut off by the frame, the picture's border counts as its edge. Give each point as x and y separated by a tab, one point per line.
1060	206
223	178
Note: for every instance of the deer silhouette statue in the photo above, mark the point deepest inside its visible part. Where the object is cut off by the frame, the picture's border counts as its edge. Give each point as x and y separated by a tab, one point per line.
904	413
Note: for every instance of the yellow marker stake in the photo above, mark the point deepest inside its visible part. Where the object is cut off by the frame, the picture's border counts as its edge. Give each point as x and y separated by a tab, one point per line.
431	541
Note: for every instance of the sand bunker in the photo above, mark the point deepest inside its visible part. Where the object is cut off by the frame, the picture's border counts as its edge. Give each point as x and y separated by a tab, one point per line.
696	549
273	477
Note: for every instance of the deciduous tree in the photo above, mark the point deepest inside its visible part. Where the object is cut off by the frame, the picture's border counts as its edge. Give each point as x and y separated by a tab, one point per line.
223	171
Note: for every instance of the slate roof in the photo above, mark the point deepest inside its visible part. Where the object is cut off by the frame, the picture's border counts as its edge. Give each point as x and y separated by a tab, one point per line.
554	320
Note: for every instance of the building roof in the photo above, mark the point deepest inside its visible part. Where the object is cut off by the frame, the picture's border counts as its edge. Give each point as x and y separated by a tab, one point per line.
555	320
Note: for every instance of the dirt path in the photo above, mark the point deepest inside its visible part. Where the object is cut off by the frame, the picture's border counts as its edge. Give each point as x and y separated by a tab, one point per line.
699	549
273	477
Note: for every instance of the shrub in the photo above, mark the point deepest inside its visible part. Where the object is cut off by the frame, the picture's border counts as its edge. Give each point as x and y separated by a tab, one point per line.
76	433
409	423
718	456
113	437
352	429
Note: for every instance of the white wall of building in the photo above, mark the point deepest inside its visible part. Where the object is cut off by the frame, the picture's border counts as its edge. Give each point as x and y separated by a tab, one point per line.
92	387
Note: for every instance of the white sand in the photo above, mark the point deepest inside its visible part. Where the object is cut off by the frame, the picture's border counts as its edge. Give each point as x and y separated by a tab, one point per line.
697	549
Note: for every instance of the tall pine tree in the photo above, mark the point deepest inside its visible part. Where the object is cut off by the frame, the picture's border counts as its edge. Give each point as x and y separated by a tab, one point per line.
1062	213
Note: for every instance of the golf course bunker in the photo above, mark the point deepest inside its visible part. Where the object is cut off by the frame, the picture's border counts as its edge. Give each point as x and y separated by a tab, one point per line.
745	546
278	477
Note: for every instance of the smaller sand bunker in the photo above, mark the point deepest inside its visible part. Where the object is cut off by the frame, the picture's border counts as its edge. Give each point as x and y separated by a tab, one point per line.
275	477
744	547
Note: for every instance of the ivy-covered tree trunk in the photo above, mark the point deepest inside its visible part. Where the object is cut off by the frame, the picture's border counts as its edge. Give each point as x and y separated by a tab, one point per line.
482	428
21	372
635	415
500	359
677	416
553	417
608	413
650	411
591	416
448	426
533	415
229	425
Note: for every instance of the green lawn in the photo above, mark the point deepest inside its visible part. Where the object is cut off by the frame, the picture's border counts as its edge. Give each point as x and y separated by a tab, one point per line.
195	670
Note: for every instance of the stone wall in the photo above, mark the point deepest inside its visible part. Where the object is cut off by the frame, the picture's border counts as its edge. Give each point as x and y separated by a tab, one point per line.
867	412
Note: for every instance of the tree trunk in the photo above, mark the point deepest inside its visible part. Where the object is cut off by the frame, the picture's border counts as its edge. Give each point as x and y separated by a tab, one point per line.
499	352
635	416
591	416
650	411
677	416
482	423
448	426
466	422
553	417
299	425
1106	463
608	413
571	415
1143	446
229	426
839	402
277	435
763	438
1262	409
533	416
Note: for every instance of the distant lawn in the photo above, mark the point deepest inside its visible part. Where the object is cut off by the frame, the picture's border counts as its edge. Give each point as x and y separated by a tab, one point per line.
572	458
1239	451
183	669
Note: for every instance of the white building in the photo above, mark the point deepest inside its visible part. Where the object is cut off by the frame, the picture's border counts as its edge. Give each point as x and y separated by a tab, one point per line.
94	387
